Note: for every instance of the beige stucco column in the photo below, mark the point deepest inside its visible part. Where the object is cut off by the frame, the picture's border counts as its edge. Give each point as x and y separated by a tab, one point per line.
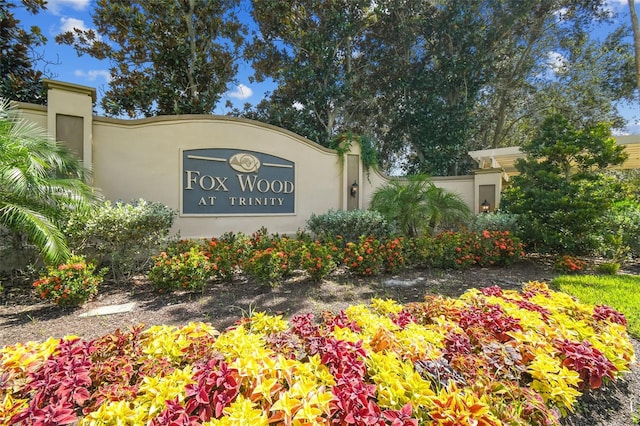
70	116
352	178
487	187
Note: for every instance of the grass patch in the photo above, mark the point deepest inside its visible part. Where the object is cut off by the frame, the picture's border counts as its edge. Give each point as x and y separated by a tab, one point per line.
621	292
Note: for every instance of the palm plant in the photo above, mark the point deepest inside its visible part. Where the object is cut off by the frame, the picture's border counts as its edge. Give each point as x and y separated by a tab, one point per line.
39	180
417	205
445	207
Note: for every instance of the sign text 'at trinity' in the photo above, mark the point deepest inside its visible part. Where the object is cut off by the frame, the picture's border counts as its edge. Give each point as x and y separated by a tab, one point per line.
230	181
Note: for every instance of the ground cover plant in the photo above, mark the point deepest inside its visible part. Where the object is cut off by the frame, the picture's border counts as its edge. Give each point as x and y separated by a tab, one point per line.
490	357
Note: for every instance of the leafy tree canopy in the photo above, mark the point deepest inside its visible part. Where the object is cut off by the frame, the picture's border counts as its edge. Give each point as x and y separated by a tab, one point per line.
19	81
167	57
431	80
312	49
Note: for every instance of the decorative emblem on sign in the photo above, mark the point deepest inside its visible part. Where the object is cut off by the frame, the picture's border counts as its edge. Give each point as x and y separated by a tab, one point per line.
245	163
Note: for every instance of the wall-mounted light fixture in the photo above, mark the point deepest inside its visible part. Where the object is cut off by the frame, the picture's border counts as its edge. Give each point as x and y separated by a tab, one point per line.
354	189
485	207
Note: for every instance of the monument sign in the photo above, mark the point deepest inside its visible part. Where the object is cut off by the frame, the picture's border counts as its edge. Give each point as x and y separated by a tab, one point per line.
219	181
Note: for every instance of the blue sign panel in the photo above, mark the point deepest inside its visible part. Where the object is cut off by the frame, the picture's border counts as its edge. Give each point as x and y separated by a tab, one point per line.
231	181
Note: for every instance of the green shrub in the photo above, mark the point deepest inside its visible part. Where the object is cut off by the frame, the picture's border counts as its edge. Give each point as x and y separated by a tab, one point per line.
317	259
350	225
608	268
364	257
223	256
569	264
450	250
267	266
184	245
71	283
272	257
393	255
455	250
261	239
495	248
124	236
189	270
562	189
621	231
494	221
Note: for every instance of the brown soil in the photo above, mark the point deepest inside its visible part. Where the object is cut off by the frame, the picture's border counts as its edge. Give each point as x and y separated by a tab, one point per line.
23	317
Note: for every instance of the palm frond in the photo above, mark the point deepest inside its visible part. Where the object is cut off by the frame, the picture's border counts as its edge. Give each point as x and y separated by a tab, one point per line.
39	180
43	233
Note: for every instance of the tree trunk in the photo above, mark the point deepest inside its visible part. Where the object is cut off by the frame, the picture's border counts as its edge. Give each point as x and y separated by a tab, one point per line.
636	39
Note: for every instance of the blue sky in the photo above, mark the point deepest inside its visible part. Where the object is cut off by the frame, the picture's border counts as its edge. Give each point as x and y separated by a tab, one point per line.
66	65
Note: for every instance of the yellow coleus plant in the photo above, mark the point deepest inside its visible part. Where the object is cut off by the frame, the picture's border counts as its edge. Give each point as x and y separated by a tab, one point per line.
419	342
17	359
155	391
453	406
386	306
241	412
369	321
554	382
261	322
170	342
117	413
398	383
239	342
614	343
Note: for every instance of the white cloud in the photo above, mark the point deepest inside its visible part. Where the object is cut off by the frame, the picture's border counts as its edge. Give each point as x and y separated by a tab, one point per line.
55	6
92	75
556	62
560	13
241	92
68	24
298	106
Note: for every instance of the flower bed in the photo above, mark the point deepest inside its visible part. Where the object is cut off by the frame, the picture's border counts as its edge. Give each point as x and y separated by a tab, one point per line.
490	357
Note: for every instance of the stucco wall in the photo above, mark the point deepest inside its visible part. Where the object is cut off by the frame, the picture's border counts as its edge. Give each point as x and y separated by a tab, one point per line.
134	159
461	185
37	114
141	159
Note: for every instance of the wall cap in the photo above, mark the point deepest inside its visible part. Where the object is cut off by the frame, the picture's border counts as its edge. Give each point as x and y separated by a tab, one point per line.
194	118
70	87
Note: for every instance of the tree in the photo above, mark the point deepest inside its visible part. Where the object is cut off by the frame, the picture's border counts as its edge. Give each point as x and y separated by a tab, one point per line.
547	44
562	190
429	62
19	81
166	57
574	73
416	206
430	80
39	179
312	50
636	40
